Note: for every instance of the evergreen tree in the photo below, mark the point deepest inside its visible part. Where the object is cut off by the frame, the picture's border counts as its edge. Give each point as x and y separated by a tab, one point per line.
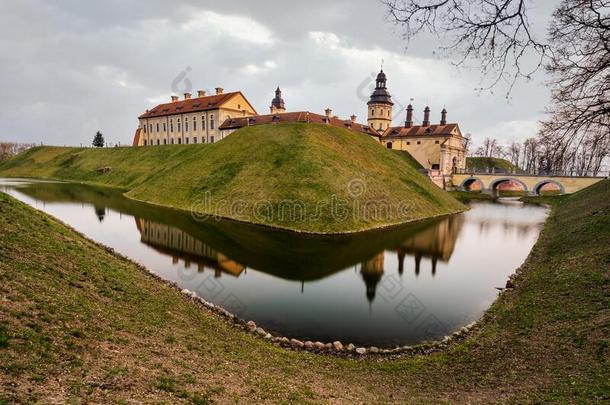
98	140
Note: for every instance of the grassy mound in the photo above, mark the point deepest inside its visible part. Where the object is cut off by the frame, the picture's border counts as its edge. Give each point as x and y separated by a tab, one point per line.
303	177
496	165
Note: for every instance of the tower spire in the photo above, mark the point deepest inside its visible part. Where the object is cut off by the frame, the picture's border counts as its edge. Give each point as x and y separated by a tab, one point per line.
277	104
380	104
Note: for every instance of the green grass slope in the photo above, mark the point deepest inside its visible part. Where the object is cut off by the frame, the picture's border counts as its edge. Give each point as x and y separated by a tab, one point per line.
302	177
496	164
80	324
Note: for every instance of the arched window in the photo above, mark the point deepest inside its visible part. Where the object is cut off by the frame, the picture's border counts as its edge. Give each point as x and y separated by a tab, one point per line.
144	128
144	142
150	127
171	126
158	141
194	123
157	127
186	125
388	113
179	141
164	127
186	139
179	125
203	122
211	122
194	139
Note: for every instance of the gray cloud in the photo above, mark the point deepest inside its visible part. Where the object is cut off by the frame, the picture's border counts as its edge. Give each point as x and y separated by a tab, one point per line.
70	68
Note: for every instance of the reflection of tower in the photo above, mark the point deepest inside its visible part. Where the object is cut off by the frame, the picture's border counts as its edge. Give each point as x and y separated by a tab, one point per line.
401	262
100	212
372	271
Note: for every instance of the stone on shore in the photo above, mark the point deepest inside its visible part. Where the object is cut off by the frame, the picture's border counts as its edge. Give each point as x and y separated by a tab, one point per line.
297	344
251	326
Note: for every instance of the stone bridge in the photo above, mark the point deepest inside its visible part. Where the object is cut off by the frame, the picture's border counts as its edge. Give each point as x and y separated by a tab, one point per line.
531	184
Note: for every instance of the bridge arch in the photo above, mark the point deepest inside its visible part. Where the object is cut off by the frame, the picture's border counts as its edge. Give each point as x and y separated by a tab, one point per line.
542	183
493	186
465	186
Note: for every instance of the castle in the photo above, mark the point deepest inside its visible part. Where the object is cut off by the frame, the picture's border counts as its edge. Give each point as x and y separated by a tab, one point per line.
439	148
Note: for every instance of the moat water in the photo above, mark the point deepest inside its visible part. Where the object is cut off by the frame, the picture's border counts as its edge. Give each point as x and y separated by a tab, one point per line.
401	286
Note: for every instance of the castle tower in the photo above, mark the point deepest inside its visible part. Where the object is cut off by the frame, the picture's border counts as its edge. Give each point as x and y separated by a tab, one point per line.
277	104
380	105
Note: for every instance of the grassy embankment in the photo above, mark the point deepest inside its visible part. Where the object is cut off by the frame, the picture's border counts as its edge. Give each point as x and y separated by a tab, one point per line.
481	164
79	323
303	177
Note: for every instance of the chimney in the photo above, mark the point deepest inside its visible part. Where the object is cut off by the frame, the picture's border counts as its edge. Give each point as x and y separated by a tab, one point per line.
329	112
219	90
444	117
353	118
200	93
426	121
409	121
187	96
174	99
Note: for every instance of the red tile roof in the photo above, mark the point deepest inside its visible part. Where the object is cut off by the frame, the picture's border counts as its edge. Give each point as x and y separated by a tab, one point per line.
418	130
191	105
299	116
136	137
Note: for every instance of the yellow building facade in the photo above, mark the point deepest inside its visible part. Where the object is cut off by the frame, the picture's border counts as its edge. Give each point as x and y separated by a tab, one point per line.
191	120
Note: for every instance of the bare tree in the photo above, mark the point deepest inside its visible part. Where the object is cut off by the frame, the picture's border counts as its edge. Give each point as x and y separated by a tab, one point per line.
467	142
579	117
9	149
494	33
513	152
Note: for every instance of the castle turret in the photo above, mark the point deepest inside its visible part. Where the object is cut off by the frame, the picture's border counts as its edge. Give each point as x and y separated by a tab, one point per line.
380	105
277	104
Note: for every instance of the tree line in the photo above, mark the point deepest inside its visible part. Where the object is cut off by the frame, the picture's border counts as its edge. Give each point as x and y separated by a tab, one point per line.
543	155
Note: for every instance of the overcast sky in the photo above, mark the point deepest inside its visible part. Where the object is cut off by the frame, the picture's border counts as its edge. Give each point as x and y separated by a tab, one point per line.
69	68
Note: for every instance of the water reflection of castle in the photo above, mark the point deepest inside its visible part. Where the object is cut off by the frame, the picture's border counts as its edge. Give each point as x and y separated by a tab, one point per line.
436	242
180	245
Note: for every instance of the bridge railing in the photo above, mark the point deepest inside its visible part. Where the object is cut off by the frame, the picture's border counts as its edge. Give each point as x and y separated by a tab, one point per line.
515	172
